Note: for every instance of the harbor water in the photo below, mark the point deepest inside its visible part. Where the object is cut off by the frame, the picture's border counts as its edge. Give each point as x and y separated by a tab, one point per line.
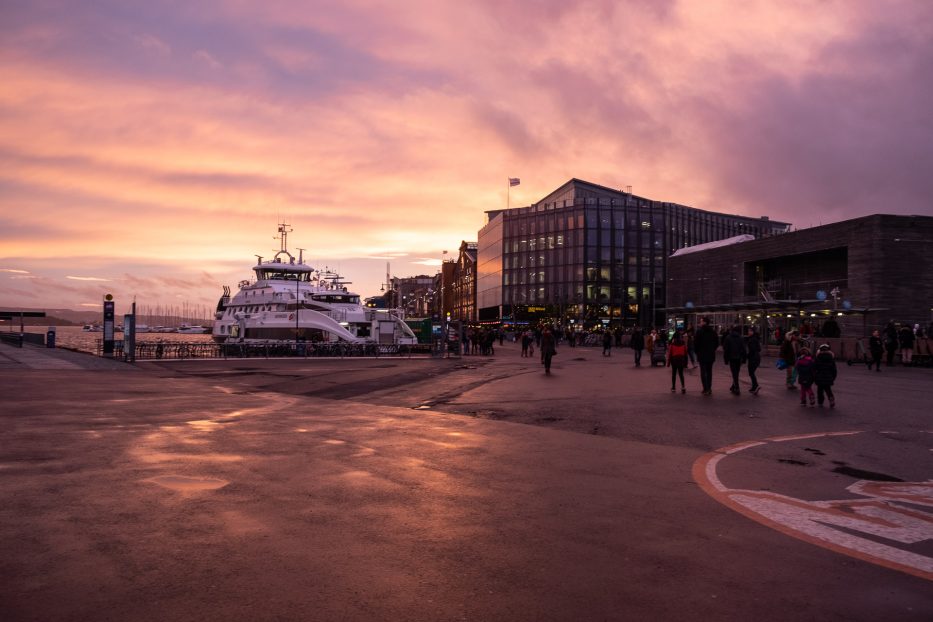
76	338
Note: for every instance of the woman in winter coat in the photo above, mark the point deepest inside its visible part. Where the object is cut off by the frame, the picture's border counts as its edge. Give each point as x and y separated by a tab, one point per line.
824	374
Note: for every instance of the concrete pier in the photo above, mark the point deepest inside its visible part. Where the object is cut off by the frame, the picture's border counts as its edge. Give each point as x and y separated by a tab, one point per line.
461	489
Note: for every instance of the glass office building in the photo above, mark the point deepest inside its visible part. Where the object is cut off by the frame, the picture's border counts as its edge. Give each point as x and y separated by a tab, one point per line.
588	254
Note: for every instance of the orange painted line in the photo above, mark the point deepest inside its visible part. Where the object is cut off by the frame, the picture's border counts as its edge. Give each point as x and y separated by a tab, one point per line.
714	488
798	437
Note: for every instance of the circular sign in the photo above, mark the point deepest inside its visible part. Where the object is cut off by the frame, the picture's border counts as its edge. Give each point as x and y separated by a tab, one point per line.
108	297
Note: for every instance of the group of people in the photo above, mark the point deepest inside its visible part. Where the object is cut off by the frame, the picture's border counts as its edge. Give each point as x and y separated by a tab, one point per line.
805	368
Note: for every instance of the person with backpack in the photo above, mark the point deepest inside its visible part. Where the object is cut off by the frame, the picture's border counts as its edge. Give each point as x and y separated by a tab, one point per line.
788	355
677	361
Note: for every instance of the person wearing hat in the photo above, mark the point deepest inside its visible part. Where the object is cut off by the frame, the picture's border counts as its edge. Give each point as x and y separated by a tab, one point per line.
824	374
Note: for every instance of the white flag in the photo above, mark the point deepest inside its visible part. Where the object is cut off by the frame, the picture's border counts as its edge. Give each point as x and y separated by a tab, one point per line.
514	181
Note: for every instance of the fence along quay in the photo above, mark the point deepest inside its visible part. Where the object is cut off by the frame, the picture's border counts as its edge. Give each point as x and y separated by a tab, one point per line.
152	350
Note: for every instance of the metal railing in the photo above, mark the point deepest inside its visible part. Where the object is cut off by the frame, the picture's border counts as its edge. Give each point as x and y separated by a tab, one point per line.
178	350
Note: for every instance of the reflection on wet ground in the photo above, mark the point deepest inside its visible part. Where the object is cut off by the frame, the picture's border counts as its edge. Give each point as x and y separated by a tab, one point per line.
182	483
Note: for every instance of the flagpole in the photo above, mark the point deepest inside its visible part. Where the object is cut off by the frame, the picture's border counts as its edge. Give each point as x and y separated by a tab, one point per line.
508	192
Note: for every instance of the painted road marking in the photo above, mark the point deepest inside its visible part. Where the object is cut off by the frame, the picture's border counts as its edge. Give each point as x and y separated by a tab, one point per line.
889	510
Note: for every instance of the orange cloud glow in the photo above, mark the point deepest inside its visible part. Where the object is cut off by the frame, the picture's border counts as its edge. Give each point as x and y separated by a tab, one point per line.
158	149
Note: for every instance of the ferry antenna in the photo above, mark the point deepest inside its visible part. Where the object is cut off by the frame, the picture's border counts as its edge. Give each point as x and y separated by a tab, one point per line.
284	230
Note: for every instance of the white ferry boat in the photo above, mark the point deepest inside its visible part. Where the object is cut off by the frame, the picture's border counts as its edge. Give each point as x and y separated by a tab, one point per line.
290	301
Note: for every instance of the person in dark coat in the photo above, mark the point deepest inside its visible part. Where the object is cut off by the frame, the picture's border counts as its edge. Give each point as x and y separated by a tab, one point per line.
705	343
548	349
734	354
607	343
906	339
824	374
638	344
788	354
876	349
753	350
890	342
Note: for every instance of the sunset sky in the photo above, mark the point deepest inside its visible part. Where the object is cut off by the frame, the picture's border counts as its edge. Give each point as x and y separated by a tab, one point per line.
150	148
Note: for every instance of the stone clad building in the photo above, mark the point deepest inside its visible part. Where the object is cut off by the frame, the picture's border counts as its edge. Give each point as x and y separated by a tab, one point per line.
863	272
589	254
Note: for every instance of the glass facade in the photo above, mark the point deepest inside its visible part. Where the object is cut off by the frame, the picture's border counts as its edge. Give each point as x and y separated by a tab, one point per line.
592	254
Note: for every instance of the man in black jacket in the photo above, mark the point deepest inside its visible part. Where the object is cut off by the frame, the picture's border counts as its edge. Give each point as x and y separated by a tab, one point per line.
705	343
638	344
734	354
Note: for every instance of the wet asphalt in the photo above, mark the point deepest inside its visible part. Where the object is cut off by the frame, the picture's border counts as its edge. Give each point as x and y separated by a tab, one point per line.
415	489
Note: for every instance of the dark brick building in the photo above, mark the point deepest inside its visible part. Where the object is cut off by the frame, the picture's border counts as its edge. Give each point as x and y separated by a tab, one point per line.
879	263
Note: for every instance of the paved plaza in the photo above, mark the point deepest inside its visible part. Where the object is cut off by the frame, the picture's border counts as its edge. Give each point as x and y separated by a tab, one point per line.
473	488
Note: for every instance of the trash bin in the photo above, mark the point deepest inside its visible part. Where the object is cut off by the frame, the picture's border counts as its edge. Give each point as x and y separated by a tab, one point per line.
50	337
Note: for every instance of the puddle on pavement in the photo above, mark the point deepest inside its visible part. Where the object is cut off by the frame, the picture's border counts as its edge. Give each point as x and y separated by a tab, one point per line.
182	483
869	475
366	451
204	425
334	441
422	407
145	455
357	474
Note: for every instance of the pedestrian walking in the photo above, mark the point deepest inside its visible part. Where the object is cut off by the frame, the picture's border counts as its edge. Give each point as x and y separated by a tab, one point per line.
691	351
677	361
753	352
734	355
548	349
890	342
805	376
607	343
638	344
788	355
526	341
824	374
876	349
706	343
906	339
